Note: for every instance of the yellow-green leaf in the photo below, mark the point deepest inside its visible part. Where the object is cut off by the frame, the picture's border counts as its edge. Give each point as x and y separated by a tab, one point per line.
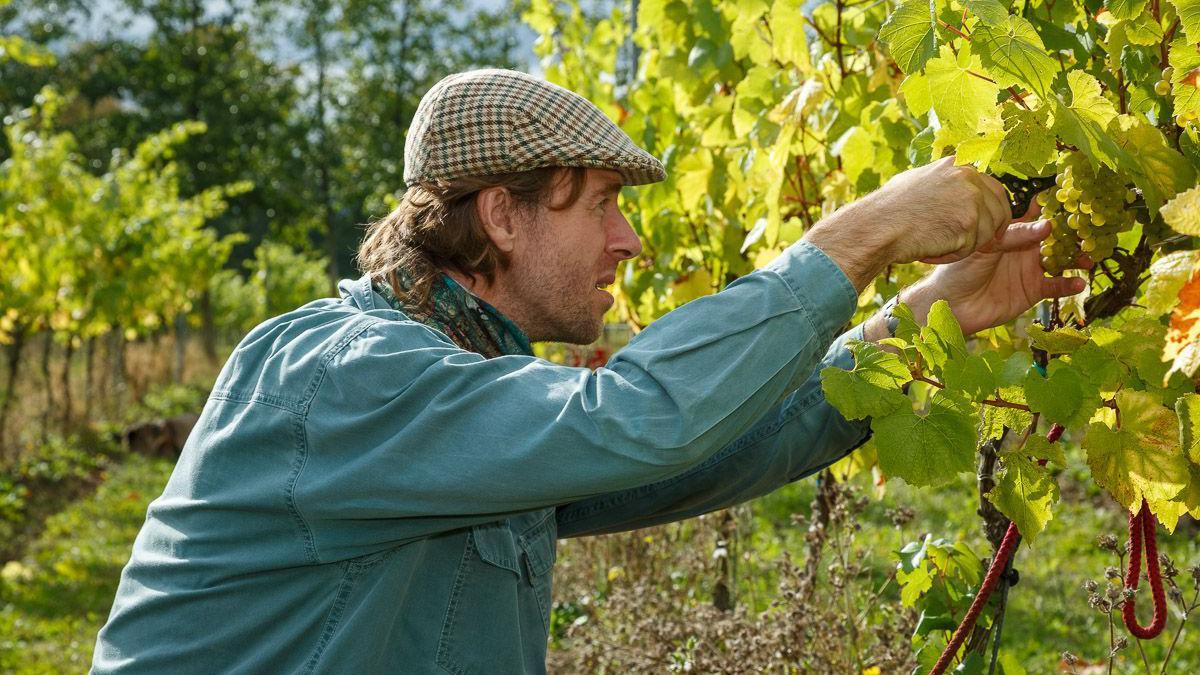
1014	54
1183	213
910	34
1142	459
1025	493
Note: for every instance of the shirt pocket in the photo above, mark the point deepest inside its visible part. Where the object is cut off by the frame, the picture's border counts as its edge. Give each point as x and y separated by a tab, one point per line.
498	614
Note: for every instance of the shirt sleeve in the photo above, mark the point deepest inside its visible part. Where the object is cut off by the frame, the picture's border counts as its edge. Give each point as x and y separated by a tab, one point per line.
407	435
801	436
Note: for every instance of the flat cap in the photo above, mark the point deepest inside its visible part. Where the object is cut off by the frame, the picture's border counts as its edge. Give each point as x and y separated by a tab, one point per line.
491	121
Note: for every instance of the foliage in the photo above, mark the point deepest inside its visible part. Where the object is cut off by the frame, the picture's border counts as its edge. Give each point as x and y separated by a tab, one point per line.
86	253
278	280
769	115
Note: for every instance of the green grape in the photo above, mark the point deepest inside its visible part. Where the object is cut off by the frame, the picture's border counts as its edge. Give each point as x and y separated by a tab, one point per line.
1162	87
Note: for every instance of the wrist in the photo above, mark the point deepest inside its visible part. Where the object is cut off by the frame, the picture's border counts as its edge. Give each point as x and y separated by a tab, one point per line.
919	298
854	239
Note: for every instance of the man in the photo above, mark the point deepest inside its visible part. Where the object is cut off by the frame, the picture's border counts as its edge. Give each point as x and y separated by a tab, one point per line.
377	482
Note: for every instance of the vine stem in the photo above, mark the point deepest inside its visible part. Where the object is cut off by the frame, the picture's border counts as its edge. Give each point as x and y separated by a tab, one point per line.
994	402
952	29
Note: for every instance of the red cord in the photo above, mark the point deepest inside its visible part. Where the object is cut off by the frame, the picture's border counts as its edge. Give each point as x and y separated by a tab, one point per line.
1143	527
999	562
985	591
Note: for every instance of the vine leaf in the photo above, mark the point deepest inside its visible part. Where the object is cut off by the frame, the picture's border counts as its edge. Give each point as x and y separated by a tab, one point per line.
1129	344
959	94
1014	54
1156	168
1037	447
914	583
1185	89
990	12
1028	140
930	448
787	31
1101	367
1025	494
1064	396
1183	212
1187	407
941	338
1060	341
972	374
1182	348
1189	18
1084	121
1142	458
1169	273
995	419
872	388
1125	9
910	34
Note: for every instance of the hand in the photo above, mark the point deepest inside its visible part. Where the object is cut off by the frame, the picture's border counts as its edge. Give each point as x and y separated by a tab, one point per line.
935	213
997	283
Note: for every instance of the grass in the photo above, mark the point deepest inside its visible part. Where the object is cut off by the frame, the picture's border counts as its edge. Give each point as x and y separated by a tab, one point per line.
1047	610
54	600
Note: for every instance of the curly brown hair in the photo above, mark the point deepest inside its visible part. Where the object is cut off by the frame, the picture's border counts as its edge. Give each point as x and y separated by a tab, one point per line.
436	227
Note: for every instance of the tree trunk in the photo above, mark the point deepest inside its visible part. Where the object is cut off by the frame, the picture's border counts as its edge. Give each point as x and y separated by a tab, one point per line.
67	404
208	326
116	368
326	154
89	377
14	350
47	382
181	336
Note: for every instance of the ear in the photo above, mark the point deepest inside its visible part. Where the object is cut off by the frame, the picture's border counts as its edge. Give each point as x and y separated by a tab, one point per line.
493	206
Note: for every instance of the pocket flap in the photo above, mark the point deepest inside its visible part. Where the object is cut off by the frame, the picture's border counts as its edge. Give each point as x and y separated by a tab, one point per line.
540	545
495	544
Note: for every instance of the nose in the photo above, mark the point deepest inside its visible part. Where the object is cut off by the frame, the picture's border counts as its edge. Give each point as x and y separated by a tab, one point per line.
623	242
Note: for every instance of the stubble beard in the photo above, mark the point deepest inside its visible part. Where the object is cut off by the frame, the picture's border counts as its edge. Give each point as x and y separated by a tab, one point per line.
549	312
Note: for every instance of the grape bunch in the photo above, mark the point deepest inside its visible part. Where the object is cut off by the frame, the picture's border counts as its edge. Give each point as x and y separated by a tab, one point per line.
1087	209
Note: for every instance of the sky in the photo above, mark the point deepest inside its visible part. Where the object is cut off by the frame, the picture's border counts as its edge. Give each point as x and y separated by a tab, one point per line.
108	13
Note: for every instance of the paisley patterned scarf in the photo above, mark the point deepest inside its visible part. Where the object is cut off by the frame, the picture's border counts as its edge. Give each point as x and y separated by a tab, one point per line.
469	321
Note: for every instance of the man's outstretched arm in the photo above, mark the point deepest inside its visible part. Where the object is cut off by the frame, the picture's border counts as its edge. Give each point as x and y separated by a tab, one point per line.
805	434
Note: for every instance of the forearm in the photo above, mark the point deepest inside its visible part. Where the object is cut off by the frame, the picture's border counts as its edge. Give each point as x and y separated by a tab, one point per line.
856	240
802	435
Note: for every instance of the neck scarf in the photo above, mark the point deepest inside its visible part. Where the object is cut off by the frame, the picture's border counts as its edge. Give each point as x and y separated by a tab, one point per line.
469	321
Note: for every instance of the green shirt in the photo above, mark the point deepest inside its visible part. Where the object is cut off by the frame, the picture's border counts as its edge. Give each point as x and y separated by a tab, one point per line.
362	496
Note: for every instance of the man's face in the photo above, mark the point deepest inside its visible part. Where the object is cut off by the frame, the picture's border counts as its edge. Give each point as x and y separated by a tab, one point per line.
557	271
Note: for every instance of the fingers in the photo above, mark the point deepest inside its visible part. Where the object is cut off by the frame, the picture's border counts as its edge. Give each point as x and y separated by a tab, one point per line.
1021	236
999	205
1058	287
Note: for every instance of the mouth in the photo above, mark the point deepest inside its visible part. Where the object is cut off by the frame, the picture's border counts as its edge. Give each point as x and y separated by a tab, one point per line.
606	283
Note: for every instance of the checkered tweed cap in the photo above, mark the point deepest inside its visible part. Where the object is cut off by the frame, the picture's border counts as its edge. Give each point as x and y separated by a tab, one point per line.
484	122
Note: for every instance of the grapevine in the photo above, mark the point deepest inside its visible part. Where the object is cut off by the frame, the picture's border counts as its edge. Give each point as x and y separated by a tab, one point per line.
773	114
